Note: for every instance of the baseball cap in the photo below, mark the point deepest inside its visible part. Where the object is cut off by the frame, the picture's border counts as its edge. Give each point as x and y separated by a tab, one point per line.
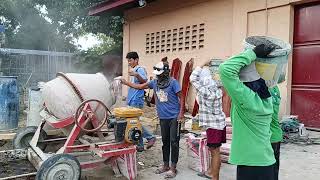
159	68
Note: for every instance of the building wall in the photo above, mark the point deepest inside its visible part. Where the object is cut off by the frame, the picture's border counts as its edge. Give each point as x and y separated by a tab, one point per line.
217	19
272	18
227	23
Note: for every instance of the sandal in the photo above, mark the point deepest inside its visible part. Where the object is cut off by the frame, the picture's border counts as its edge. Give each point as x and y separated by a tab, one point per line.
162	170
205	175
170	174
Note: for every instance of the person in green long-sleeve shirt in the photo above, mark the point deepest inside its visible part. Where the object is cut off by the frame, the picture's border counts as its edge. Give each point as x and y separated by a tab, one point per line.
251	115
276	131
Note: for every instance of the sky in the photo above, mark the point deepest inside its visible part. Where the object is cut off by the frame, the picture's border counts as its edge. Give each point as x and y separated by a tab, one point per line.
87	41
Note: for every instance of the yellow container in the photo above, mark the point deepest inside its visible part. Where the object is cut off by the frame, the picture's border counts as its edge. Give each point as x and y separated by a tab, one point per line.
267	71
195	126
273	68
127	112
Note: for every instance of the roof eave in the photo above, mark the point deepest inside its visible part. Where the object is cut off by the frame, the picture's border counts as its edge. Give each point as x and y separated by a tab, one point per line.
107	6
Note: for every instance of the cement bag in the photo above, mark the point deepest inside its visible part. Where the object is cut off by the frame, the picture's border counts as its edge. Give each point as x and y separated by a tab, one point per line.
62	101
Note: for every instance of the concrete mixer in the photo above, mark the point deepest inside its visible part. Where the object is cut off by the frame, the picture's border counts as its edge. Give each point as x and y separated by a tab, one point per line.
78	105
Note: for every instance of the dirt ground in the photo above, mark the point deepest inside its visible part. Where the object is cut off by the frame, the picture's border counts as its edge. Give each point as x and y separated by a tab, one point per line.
298	161
15	167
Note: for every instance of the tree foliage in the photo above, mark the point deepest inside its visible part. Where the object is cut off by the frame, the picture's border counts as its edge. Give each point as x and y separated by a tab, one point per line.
53	24
72	18
27	28
90	60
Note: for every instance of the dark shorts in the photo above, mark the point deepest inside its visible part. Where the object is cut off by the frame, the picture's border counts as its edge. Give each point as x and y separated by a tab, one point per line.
215	137
255	172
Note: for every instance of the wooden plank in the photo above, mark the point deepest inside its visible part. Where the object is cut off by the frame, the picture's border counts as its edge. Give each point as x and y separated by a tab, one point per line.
92	164
175	68
313	129
195	109
7	136
185	85
20	176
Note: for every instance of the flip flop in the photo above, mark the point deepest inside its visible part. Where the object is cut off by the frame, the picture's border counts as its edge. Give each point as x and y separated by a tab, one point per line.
170	174
161	170
204	175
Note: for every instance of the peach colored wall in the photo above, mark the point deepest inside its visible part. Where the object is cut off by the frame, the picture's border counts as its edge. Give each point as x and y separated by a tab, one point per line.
266	17
256	19
227	23
217	16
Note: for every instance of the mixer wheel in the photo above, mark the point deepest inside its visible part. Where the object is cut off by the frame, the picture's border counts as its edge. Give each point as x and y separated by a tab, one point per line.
59	167
23	137
91	114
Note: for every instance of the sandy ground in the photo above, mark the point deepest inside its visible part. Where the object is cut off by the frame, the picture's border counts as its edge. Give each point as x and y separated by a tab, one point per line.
297	162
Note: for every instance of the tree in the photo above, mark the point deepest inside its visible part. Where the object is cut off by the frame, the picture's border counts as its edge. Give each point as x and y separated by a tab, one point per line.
91	60
71	16
54	24
27	27
73	20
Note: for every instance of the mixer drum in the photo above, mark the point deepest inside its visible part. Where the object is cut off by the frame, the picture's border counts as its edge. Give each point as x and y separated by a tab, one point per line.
64	94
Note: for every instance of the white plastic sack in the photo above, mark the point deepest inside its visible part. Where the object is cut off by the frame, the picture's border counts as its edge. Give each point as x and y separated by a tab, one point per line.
127	165
198	155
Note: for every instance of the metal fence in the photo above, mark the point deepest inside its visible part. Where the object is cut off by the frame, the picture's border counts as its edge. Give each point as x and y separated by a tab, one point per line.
32	66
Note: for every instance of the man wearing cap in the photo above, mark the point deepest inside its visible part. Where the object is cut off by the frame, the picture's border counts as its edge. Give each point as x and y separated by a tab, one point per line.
251	115
167	93
211	116
136	96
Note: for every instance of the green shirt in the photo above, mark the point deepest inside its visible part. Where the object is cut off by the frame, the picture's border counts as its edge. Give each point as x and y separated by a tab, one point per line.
251	116
276	131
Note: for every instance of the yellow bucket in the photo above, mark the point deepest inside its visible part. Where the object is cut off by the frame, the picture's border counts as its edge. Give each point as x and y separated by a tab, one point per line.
266	71
273	68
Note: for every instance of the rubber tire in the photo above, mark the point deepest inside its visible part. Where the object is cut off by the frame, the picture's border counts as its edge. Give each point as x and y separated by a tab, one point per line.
56	160
27	132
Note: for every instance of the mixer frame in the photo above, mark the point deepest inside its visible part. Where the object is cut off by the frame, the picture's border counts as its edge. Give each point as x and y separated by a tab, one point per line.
103	152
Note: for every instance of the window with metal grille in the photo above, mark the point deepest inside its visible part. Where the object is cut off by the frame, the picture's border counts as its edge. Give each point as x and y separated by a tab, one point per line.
187	38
